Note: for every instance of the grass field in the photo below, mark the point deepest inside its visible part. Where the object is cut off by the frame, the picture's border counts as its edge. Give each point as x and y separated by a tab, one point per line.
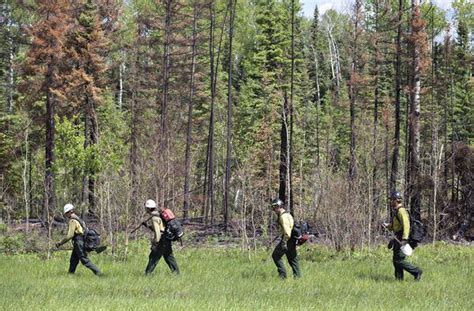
229	279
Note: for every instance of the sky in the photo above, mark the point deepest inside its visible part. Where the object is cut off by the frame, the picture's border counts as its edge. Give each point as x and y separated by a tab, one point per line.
344	5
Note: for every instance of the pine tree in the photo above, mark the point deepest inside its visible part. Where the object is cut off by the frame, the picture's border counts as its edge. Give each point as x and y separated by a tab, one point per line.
47	67
86	46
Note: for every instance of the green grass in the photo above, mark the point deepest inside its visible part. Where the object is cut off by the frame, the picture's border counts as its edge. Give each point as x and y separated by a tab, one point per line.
227	279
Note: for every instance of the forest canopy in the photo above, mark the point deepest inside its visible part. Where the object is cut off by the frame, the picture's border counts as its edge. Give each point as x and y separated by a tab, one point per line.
215	107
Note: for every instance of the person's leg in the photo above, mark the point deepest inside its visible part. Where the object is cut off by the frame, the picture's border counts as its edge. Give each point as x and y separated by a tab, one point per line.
398	257
410	268
169	257
400	263
277	255
153	258
292	257
398	270
82	253
74	260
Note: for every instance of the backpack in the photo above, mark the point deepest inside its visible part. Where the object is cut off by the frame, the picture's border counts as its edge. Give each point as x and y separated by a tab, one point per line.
300	232
417	230
173	229
91	236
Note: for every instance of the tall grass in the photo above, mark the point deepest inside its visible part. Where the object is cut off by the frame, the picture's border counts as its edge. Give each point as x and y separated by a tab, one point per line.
228	279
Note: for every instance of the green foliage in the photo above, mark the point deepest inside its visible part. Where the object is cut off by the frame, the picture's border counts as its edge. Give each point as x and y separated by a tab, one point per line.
12	150
12	244
112	149
463	86
91	61
72	159
70	151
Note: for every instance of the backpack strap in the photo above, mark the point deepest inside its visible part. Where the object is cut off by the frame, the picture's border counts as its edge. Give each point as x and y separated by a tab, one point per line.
81	222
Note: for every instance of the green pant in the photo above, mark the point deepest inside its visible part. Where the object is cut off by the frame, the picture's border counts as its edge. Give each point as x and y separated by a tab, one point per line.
291	255
163	248
400	263
79	253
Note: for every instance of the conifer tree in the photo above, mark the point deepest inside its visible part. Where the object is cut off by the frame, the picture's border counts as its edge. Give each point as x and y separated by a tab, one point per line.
47	67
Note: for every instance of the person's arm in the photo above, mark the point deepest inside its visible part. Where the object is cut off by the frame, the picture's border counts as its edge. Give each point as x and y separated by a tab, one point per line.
405	221
70	232
285	224
146	225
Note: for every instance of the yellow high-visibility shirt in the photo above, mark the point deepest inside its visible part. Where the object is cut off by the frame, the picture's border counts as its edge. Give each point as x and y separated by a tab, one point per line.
401	222
158	227
74	228
286	222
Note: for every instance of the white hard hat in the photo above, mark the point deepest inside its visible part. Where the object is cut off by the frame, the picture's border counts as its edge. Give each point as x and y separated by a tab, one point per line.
406	250
150	204
68	207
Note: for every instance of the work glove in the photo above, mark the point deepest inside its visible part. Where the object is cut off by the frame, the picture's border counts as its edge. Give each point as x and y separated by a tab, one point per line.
390	244
100	249
385	224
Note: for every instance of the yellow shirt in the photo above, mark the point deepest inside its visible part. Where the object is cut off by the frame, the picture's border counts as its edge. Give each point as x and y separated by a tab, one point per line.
158	227
401	222
74	228
286	222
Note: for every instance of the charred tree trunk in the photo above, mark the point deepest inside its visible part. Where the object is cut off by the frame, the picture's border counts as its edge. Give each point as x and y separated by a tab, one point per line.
210	142
190	114
398	89
284	150
232	4
445	117
290	111
49	178
318	112
90	138
214	64
353	90
414	116
134	133
94	138
164	151
375	190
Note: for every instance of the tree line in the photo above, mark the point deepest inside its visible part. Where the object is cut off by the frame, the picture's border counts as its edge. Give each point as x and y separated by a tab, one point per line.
213	107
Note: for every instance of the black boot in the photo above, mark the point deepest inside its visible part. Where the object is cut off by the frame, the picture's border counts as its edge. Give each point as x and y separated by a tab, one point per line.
418	275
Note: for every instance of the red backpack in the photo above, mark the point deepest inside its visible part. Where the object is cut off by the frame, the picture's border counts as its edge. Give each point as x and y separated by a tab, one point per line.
173	230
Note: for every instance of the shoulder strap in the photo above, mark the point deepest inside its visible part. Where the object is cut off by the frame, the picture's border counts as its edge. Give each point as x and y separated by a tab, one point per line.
81	222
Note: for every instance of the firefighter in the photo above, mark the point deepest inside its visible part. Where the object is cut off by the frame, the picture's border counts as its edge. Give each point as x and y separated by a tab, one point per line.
160	245
76	234
287	244
401	227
